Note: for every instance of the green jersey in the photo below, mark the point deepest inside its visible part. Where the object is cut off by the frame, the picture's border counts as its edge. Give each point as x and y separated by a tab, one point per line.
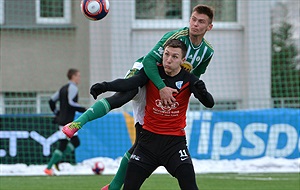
198	56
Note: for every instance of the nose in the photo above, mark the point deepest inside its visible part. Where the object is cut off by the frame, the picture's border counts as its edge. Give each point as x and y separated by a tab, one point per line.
169	59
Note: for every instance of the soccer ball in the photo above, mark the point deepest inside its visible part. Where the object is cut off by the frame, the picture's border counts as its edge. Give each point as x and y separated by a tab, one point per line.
94	9
98	168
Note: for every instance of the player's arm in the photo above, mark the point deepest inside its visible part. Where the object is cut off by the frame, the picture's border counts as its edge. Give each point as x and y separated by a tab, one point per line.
200	92
149	63
120	85
150	67
52	102
72	92
155	56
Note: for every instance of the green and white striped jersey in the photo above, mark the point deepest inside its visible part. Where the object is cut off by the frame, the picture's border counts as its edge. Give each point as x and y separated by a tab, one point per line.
198	56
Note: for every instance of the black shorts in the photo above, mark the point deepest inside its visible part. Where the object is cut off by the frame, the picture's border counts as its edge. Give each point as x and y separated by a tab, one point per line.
154	150
138	129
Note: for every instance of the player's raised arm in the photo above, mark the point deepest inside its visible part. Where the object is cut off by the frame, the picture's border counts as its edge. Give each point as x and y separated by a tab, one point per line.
200	92
120	85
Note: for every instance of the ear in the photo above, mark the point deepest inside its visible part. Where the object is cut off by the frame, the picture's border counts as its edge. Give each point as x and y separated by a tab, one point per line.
209	27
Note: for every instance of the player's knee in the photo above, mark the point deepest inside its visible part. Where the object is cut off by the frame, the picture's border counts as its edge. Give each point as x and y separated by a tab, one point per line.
185	175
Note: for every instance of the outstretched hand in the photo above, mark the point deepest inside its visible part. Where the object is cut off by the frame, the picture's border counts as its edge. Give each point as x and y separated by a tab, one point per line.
166	95
97	89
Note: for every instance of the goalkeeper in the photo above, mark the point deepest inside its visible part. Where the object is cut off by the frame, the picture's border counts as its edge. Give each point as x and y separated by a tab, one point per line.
199	55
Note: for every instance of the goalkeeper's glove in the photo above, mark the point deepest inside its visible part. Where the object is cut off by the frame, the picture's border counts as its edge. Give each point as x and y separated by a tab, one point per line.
98	89
200	86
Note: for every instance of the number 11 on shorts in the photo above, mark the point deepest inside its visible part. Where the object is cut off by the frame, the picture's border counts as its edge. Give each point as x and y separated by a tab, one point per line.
183	155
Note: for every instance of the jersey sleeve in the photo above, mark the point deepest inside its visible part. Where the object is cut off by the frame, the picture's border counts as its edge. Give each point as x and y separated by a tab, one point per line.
123	85
155	56
206	99
72	92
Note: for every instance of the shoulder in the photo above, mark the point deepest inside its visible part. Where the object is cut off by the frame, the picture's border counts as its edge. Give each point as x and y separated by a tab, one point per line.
208	44
73	87
180	33
183	30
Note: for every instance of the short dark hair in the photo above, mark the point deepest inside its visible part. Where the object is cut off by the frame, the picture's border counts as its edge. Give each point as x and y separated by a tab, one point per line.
204	9
72	72
175	43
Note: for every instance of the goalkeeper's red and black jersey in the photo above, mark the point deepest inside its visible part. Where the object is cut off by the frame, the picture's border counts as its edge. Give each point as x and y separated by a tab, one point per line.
168	120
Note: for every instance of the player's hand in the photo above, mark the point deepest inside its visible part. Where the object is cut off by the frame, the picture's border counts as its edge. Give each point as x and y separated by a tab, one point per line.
97	89
200	86
166	95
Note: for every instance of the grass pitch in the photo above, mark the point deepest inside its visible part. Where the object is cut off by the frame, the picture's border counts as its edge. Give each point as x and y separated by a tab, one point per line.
231	181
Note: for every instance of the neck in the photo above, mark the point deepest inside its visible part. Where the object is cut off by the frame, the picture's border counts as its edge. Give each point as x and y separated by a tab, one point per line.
196	40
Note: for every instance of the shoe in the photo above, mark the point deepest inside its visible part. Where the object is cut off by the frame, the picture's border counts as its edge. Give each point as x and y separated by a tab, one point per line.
56	165
48	172
71	128
105	187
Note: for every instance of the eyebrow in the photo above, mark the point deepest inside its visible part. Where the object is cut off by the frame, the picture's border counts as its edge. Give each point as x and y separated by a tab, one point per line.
172	53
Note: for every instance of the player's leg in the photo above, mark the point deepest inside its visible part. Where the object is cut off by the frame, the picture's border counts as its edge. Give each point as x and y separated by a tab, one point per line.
56	156
177	160
99	109
71	146
185	175
118	180
138	104
143	161
135	177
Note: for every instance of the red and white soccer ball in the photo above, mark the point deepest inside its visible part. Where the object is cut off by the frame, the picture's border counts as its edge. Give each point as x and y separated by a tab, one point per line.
94	9
98	168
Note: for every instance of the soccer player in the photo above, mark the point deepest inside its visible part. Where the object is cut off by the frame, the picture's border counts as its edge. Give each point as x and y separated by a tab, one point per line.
67	97
199	54
162	140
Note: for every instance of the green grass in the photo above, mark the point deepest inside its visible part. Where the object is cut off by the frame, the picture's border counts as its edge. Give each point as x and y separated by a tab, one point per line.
232	181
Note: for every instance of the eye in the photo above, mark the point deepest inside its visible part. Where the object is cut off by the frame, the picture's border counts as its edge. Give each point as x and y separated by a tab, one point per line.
202	21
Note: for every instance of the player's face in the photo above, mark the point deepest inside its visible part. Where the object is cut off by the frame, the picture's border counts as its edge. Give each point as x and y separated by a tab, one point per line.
199	24
172	58
76	78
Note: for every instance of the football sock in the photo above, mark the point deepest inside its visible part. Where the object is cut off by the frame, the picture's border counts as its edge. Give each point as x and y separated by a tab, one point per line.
56	157
119	178
99	109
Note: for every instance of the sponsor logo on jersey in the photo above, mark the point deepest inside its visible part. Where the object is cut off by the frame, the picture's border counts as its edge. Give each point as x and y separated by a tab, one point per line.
163	107
160	50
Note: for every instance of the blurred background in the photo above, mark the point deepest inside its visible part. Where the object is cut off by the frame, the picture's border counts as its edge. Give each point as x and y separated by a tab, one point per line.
254	75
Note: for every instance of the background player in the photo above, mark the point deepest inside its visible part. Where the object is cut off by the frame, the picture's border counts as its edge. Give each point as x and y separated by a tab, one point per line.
67	97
